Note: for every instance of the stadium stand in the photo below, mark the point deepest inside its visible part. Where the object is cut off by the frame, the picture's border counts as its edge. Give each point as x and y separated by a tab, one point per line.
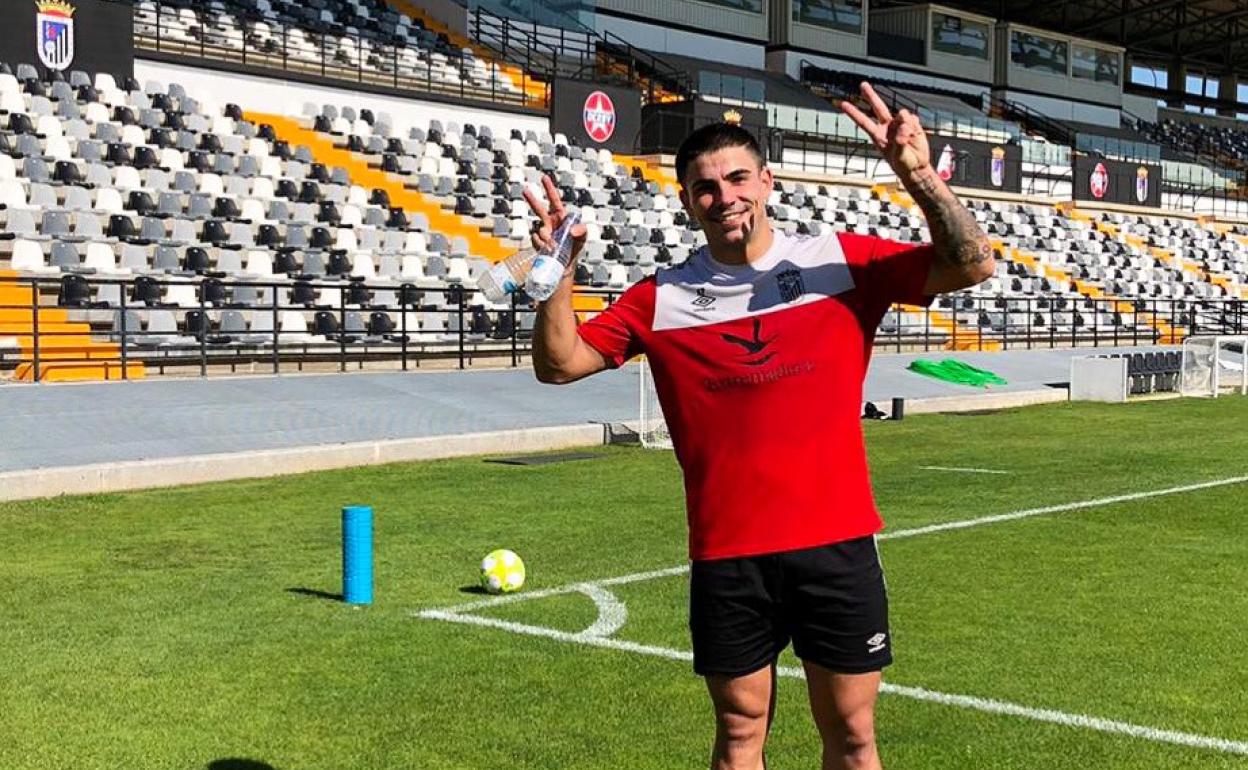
364	41
150	182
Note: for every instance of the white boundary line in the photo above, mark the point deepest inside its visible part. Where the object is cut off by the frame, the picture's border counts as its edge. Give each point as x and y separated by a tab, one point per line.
915	693
894	535
961	470
612	615
1025	514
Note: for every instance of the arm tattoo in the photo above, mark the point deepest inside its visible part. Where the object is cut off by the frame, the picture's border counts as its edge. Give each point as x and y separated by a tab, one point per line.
955	233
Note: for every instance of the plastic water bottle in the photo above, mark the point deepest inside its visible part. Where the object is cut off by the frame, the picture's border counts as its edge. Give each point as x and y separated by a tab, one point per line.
507	276
550	264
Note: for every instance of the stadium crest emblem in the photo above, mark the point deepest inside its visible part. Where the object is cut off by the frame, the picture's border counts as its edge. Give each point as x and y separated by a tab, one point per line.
947	164
1141	184
1098	182
54	33
599	116
998	166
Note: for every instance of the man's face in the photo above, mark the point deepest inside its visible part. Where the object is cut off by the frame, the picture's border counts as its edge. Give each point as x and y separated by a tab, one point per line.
726	193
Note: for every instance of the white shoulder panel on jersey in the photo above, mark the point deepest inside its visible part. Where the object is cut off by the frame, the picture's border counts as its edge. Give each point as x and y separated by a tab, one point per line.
796	270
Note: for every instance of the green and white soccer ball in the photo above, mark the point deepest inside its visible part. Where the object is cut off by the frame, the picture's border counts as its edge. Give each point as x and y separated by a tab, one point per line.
502	572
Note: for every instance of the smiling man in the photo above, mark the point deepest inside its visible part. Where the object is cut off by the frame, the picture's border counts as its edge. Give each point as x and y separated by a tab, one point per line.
759	344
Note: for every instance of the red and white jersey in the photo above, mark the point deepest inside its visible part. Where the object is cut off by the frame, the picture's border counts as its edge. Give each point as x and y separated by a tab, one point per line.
759	371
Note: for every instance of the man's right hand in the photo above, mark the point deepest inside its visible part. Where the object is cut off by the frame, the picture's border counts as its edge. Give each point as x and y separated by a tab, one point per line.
559	353
549	220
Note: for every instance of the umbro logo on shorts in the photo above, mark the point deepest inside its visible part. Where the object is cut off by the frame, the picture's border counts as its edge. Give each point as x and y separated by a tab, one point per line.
877	642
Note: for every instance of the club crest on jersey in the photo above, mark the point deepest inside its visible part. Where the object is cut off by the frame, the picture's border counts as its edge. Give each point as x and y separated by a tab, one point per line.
791	285
54	33
599	116
703	300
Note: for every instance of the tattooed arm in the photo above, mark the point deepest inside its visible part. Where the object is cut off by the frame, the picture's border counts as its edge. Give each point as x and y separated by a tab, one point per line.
964	257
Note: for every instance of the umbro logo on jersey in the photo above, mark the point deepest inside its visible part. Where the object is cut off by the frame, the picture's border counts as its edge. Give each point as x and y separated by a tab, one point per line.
703	300
877	642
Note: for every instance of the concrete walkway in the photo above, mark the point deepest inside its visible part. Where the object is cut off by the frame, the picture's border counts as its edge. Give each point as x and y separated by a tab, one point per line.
67	425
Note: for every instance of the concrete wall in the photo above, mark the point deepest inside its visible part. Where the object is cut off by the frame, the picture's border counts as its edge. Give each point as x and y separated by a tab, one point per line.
1140	106
791	61
1064	109
661	39
275	95
691	13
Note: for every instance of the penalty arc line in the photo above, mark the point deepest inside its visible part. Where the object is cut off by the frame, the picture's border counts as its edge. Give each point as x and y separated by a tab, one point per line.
915	693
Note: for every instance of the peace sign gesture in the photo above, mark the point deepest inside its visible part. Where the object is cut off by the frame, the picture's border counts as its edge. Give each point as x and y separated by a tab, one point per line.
900	138
550	219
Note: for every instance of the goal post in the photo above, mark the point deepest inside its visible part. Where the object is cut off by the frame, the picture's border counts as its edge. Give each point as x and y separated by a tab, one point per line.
652	427
1214	365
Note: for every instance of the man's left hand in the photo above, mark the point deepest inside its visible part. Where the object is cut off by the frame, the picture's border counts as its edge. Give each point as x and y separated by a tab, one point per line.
900	138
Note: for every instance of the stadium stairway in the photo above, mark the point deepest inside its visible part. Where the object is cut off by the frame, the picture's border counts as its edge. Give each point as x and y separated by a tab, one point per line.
1231	285
1169	334
323	149
962	336
67	351
651	171
536	92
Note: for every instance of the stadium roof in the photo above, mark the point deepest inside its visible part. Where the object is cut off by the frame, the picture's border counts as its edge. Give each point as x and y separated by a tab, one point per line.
1206	34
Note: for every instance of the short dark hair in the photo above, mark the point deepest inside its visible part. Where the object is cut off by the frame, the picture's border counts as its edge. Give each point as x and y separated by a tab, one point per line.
713	137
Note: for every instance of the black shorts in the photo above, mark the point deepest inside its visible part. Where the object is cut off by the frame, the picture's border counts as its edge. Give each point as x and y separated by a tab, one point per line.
829	600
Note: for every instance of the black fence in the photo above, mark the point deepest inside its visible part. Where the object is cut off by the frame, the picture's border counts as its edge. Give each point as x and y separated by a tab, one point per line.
258	44
284	325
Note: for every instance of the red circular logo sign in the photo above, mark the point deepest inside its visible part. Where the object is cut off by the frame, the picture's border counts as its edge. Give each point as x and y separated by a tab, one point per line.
599	116
1098	183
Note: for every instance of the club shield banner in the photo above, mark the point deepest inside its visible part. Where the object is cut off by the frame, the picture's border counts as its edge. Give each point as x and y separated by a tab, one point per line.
594	115
1099	180
969	163
66	35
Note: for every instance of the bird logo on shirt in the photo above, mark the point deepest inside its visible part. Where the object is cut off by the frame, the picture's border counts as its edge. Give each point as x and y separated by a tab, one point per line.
753	347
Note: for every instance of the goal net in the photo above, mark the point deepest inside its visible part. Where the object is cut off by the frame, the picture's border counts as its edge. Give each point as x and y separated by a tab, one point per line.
1213	365
652	428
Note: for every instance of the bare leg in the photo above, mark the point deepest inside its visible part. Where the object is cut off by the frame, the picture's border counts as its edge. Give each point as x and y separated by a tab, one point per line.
743	709
843	706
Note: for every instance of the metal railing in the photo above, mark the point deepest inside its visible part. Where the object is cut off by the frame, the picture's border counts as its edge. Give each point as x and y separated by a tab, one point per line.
970	124
256	43
1031	120
585	53
538	52
354	331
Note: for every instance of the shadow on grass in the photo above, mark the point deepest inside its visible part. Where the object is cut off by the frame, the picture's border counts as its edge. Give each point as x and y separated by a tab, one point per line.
238	764
472	589
306	592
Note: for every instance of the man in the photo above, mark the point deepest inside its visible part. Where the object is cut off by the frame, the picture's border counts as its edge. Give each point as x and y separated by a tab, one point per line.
759	344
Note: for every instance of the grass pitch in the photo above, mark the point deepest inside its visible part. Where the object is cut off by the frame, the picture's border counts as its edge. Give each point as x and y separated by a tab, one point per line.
196	627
